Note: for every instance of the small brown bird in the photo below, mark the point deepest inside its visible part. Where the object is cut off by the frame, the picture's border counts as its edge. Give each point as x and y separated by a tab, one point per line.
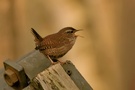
56	45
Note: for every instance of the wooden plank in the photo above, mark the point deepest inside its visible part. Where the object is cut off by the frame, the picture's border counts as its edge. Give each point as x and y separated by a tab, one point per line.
54	78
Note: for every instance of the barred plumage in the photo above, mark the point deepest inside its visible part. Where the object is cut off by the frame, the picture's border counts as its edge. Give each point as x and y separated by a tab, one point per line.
55	45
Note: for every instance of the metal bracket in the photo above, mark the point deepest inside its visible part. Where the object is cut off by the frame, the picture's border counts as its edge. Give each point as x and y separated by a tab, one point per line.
75	75
18	73
14	75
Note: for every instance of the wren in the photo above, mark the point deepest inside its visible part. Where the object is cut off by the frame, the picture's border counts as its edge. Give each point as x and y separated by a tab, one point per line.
56	45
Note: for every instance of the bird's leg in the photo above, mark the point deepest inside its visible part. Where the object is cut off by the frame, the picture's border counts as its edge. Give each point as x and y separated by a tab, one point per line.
51	60
55	62
61	62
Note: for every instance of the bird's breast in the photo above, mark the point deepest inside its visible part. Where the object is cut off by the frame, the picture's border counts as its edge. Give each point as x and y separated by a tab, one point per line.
57	47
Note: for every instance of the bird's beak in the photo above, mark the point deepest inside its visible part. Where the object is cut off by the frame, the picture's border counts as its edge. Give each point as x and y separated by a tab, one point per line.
79	35
78	30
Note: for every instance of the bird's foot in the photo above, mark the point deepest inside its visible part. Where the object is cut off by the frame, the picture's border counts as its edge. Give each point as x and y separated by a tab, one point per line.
53	63
61	62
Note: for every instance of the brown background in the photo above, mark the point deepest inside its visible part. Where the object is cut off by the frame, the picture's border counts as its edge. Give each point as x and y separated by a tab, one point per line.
106	54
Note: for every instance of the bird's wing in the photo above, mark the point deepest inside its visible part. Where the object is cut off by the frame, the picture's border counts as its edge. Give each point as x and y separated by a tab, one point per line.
52	41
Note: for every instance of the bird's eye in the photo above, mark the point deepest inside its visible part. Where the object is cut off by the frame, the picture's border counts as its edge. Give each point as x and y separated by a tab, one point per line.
69	31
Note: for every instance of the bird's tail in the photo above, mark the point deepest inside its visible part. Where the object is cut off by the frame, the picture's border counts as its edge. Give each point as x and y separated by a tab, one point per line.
38	38
36	35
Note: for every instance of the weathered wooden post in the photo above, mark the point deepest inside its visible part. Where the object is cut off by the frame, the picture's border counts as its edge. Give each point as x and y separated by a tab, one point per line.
35	72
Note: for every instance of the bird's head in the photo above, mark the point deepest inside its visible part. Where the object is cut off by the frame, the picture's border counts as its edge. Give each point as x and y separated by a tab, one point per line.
69	31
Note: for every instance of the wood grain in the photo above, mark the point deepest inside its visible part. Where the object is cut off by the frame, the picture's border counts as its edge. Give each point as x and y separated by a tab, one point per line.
55	78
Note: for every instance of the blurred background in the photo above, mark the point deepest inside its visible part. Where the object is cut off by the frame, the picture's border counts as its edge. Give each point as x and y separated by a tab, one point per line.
106	54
